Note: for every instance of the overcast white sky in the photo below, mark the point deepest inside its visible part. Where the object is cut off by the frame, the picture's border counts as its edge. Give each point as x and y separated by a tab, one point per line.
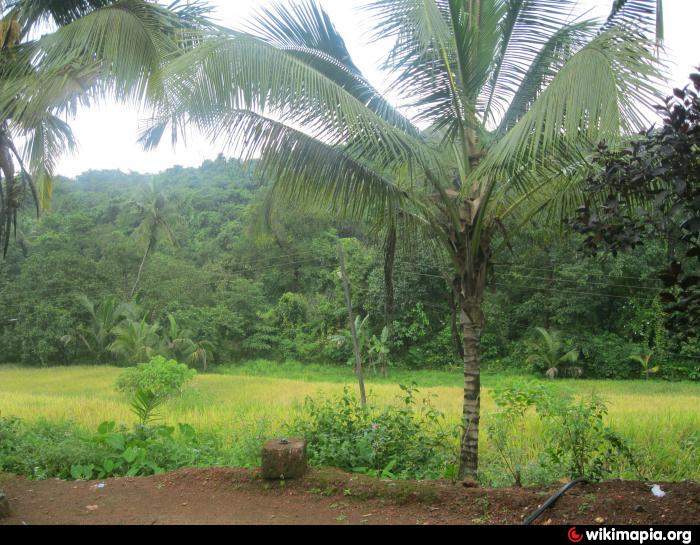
107	135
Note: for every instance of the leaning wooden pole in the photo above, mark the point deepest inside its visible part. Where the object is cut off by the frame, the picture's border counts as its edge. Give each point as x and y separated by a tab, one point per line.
353	330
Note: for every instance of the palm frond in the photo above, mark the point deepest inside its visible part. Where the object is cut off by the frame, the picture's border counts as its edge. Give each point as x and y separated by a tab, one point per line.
240	72
46	143
645	16
304	29
532	34
309	173
540	72
597	95
422	61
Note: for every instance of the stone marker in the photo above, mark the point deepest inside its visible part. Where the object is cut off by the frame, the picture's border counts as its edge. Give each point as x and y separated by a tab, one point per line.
4	506
284	459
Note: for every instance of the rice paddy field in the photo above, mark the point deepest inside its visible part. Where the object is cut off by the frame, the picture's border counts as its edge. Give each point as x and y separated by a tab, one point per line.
256	400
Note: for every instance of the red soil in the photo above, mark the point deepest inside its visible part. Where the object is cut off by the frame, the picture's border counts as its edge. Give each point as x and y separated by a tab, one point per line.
234	496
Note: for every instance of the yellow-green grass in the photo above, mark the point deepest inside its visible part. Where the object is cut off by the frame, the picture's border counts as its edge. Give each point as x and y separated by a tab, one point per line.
662	420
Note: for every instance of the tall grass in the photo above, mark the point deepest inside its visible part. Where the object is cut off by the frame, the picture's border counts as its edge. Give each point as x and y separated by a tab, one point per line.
257	400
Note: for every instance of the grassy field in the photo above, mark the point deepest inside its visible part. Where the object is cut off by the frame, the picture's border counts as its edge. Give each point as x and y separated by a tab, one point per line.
256	400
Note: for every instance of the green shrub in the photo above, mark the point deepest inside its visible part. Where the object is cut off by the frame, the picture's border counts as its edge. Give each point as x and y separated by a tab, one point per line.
49	450
607	356
408	441
506	428
578	439
577	442
42	450
141	451
164	378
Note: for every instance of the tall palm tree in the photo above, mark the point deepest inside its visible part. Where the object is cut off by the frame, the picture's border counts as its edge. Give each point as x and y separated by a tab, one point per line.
501	100
153	224
89	50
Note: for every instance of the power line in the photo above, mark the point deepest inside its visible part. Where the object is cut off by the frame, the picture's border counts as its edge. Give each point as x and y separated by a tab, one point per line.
578	282
550	269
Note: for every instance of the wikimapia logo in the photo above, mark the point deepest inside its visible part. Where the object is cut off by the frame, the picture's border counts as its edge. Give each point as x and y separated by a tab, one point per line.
634	536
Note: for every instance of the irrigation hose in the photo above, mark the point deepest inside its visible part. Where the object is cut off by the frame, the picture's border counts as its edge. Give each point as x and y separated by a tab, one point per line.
551	501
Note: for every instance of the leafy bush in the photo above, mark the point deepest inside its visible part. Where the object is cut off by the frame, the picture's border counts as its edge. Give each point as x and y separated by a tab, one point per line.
408	441
49	450
607	356
42	450
506	428
164	378
578	443
578	440
141	451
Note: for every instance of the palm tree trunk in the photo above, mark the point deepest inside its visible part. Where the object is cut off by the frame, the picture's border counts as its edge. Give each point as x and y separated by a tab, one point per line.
472	257
472	325
138	276
389	298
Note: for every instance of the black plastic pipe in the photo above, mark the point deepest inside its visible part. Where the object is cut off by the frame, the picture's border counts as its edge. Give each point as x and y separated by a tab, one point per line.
551	501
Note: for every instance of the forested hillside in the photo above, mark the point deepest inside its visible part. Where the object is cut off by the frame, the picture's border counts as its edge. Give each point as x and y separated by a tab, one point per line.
182	255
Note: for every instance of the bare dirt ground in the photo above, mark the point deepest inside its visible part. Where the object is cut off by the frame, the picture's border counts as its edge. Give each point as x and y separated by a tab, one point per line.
235	496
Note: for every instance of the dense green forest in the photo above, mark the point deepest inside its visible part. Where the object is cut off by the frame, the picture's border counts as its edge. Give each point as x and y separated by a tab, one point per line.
132	265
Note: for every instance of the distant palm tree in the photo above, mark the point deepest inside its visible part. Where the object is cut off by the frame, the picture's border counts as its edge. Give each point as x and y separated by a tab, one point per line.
179	344
56	56
104	318
136	341
502	101
153	225
550	353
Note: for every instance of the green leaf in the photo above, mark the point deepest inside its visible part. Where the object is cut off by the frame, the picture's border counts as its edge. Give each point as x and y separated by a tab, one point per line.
116	441
130	454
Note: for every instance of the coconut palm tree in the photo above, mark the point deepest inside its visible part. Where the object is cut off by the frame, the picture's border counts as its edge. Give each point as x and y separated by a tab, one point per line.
153	224
104	318
550	354
135	341
179	345
56	56
500	102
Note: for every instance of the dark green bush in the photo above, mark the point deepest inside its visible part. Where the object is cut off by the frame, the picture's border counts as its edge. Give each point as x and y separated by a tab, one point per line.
47	450
606	355
406	441
43	450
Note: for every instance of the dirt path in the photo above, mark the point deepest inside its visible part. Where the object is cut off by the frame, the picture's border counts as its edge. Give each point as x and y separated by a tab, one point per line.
232	496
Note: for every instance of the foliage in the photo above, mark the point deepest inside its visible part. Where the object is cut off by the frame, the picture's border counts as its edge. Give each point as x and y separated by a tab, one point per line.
501	106
644	361
57	57
234	413
506	429
142	451
579	441
104	319
650	190
408	440
179	345
49	450
549	353
606	356
576	439
136	340
225	300
160	377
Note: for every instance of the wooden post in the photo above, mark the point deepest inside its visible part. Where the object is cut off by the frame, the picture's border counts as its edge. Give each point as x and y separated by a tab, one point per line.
353	331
